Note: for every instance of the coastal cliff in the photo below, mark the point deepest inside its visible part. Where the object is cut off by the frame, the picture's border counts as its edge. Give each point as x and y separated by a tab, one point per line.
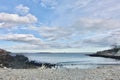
19	61
110	53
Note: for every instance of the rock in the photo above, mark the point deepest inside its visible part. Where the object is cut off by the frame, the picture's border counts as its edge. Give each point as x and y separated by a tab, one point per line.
111	53
118	53
19	61
43	67
48	65
4	52
4	67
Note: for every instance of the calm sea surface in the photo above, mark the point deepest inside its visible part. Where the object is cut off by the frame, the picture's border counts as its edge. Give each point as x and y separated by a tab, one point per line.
71	60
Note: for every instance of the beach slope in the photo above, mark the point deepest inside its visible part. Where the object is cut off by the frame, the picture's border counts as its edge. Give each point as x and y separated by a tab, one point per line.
101	73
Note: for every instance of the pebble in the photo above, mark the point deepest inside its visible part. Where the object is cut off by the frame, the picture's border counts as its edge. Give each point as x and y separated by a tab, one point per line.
104	73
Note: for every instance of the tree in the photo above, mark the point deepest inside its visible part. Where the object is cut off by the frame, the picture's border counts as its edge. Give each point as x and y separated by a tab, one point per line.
114	46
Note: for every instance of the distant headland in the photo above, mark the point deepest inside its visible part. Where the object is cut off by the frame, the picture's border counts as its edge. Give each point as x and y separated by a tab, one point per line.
110	53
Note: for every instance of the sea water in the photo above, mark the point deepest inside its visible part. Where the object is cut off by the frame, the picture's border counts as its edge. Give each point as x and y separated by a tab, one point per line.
71	60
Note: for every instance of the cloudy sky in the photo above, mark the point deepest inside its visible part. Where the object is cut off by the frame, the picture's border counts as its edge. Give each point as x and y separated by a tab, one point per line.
59	25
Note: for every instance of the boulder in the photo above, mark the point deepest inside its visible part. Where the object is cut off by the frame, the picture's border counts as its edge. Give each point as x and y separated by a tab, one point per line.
118	53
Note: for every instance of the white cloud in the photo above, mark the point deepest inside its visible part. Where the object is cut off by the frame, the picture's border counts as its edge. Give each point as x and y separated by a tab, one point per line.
81	33
103	40
10	20
84	22
53	33
28	41
22	10
97	32
14	18
96	25
104	9
55	37
69	11
7	25
48	3
22	47
24	38
25	47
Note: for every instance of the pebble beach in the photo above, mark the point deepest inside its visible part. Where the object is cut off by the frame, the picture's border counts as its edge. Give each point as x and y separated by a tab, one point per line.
100	73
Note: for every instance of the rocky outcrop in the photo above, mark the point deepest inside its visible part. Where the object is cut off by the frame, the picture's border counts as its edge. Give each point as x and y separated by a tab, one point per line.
4	52
118	53
111	53
19	61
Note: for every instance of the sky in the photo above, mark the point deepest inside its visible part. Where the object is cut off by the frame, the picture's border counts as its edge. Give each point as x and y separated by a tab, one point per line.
59	25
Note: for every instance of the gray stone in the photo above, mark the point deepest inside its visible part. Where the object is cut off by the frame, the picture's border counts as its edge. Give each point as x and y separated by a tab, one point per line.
118	53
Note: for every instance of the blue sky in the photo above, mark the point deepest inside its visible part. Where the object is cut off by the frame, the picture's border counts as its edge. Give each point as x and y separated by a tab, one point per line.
59	25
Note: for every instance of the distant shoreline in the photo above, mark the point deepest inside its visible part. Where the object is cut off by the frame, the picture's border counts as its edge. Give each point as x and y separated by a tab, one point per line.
113	53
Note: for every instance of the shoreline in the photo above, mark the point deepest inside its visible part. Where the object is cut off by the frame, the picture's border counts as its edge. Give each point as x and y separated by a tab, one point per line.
105	56
100	73
39	71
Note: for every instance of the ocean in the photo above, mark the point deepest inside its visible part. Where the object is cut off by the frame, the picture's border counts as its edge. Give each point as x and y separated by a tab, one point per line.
71	60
